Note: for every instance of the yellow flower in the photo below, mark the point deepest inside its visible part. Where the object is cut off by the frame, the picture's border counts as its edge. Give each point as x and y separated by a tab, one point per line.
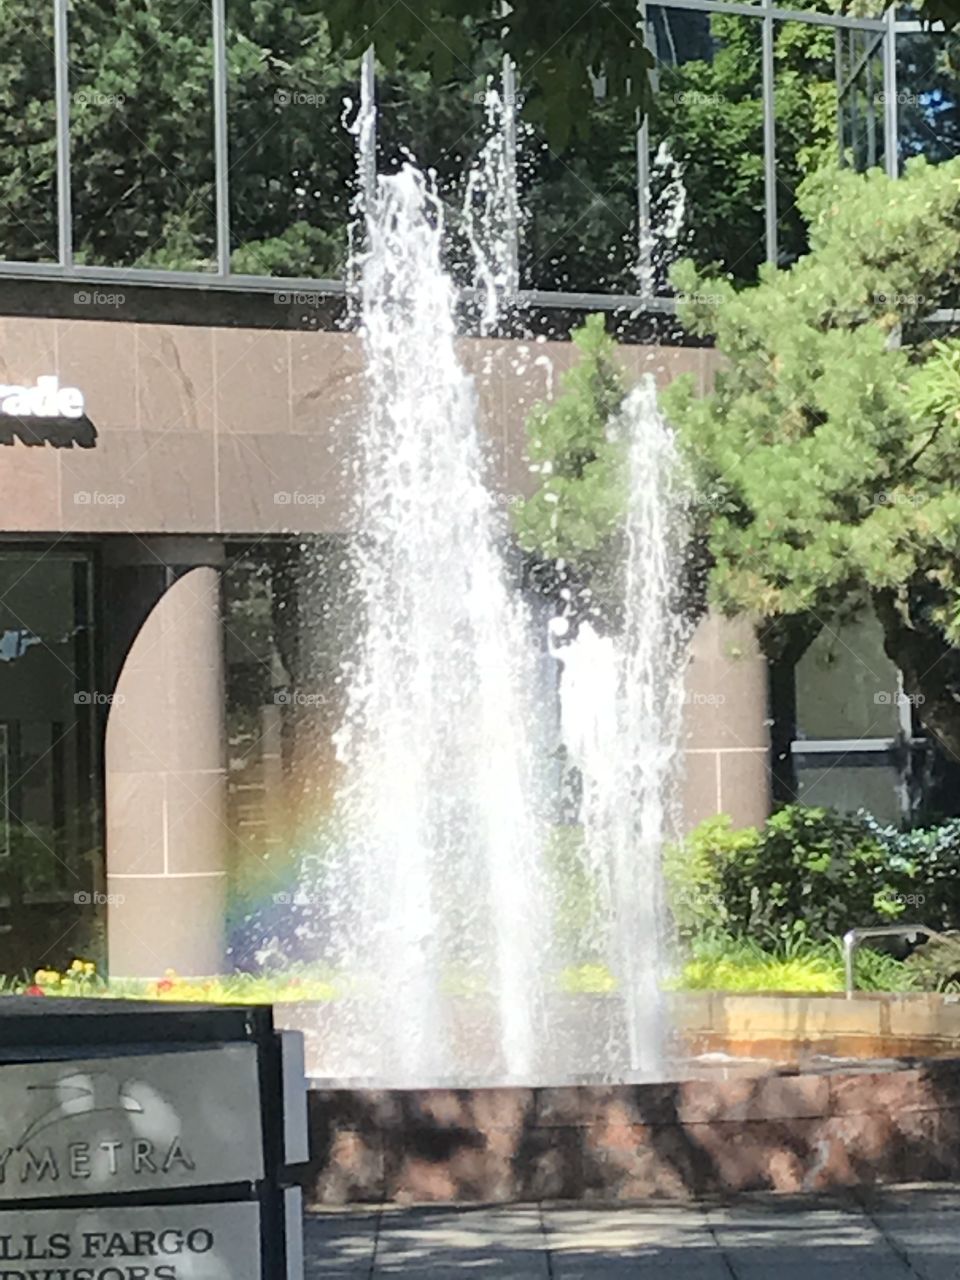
47	978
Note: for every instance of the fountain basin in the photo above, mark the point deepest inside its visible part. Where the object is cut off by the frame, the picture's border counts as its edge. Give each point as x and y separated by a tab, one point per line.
766	1103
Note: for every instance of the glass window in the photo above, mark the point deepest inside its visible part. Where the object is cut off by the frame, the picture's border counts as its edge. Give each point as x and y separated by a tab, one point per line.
706	130
141	121
284	647
851	782
861	98
292	158
51	864
928	102
846	685
805	112
28	135
580	203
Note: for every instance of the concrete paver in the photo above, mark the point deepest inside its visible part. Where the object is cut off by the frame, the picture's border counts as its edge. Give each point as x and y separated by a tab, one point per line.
894	1234
784	1240
590	1244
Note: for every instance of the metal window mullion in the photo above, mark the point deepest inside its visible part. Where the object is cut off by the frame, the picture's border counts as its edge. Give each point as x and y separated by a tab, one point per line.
769	135
644	214
221	152
891	123
61	54
749	9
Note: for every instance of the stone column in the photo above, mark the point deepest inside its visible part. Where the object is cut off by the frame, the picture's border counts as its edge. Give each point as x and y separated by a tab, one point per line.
165	764
726	726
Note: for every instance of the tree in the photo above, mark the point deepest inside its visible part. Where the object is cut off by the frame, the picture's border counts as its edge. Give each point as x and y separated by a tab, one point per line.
572	527
563	48
708	111
566	46
827	458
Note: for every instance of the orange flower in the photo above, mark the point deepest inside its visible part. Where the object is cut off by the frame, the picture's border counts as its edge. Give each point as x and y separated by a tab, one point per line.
165	984
35	991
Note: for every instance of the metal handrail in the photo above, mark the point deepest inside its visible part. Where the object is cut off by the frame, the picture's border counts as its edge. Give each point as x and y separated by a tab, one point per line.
853	937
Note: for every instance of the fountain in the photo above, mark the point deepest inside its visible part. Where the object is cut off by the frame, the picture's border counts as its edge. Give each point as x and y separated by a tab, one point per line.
438	898
436	886
621	701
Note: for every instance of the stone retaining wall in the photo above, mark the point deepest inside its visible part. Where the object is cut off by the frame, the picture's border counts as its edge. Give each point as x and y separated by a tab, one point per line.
779	1132
785	1027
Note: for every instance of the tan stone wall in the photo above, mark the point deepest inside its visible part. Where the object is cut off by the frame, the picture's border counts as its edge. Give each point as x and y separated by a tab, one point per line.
199	428
726	733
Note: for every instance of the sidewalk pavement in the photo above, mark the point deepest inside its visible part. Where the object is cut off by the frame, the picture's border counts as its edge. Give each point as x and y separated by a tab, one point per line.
881	1235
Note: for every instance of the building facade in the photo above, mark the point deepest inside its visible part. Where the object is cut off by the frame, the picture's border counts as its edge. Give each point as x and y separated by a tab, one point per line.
183	395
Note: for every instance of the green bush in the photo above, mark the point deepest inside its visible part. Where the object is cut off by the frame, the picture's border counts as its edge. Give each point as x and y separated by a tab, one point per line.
694	872
929	859
935	966
812	872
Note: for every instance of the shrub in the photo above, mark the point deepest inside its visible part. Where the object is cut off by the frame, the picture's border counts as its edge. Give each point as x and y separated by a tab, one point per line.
694	871
809	871
929	858
814	870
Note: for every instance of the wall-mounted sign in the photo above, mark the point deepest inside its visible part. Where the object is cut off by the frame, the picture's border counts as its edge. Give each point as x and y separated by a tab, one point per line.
142	1141
94	1126
172	1242
45	399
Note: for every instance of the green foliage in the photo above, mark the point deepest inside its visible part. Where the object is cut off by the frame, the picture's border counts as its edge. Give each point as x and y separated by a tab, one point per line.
581	497
935	966
927	863
576	515
710	112
811	873
694	873
834	453
573	893
563	48
720	963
